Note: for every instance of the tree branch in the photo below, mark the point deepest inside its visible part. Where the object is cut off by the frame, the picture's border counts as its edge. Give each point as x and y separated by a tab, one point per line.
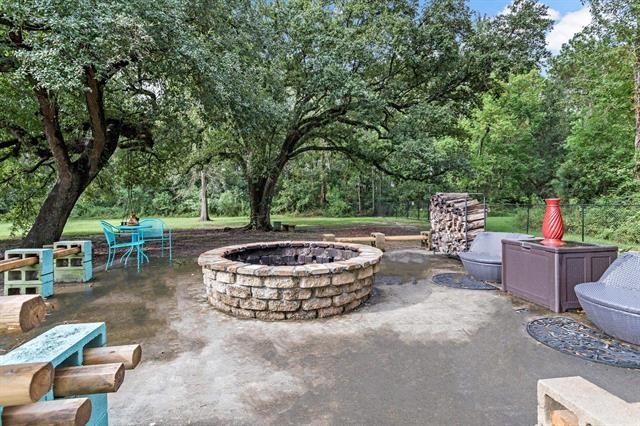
27	26
363	125
113	69
50	120
28	170
95	107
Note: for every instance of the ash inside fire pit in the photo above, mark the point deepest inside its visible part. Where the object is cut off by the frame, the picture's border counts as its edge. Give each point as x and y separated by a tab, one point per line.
289	280
293	255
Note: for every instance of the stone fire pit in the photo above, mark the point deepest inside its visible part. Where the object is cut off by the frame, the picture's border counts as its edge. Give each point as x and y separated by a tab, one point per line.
292	280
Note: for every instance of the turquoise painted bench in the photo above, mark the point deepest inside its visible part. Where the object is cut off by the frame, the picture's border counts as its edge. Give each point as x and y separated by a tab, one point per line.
63	346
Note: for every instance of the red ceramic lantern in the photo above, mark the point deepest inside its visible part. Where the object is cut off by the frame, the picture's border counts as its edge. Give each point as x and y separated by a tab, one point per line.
552	225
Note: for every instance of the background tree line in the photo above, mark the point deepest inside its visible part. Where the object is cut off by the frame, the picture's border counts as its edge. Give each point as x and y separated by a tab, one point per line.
322	107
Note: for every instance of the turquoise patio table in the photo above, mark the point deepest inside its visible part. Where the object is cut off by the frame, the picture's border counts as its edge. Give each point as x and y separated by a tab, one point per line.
136	235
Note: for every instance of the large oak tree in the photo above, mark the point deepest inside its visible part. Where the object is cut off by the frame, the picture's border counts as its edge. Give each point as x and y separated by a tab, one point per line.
379	81
78	79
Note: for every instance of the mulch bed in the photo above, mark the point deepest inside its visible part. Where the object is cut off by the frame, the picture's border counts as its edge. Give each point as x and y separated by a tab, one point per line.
461	280
571	337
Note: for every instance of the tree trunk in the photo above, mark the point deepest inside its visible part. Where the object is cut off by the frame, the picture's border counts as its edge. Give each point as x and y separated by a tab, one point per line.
260	197
636	105
373	193
637	100
359	197
204	206
55	210
323	181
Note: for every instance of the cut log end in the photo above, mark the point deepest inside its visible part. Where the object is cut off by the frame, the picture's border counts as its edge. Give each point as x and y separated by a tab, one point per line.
33	313
129	355
24	383
21	313
60	412
41	382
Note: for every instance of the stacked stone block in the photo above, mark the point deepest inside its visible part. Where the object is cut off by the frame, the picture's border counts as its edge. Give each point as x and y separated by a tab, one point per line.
293	291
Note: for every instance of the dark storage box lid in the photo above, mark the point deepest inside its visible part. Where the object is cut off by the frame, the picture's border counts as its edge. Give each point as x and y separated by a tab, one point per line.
568	247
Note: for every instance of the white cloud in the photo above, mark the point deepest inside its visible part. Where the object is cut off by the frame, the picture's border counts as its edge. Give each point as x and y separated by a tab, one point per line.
506	10
553	14
567	27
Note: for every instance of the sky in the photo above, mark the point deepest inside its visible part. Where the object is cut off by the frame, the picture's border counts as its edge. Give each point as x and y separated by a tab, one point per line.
570	17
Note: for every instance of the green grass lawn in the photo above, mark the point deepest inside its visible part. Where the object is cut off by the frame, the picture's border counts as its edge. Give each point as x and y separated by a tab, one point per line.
496	223
92	226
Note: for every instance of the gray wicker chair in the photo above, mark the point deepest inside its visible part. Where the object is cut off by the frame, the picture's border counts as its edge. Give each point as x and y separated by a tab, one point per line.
484	258
613	303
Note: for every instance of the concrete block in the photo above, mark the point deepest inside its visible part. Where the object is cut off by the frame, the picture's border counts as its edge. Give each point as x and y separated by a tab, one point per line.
590	404
35	279
76	267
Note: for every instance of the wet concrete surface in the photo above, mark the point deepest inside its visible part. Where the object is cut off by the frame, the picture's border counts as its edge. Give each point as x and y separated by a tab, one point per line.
416	353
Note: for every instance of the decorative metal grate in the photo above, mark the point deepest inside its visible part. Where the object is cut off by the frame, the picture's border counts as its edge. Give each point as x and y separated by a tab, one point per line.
571	337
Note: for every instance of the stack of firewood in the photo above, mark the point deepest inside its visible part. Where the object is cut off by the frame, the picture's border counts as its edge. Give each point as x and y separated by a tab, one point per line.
456	219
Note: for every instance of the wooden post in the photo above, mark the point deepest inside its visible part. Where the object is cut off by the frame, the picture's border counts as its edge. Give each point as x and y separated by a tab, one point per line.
379	240
21	312
87	379
24	383
426	242
328	237
60	412
58	253
7	265
129	355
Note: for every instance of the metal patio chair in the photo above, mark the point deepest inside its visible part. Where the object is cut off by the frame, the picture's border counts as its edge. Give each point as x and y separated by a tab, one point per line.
613	302
484	258
111	234
159	232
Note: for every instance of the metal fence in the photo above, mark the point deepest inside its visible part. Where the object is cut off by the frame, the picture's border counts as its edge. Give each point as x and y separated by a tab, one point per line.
600	223
597	223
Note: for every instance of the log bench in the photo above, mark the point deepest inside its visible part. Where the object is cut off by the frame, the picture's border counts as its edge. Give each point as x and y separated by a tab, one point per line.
81	365
379	240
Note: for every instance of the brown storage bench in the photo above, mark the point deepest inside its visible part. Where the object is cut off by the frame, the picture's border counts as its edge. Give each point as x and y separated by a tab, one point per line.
547	275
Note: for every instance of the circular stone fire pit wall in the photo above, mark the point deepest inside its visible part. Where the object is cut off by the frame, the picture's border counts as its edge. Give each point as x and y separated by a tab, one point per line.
289	280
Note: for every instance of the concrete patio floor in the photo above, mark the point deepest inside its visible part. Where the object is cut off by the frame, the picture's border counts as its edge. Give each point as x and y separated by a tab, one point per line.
415	354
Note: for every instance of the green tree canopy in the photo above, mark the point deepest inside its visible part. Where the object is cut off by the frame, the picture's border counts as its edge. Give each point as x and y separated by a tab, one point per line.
379	81
517	139
78	80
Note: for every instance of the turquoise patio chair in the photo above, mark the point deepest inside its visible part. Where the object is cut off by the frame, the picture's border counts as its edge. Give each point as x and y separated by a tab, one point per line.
159	232
111	234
